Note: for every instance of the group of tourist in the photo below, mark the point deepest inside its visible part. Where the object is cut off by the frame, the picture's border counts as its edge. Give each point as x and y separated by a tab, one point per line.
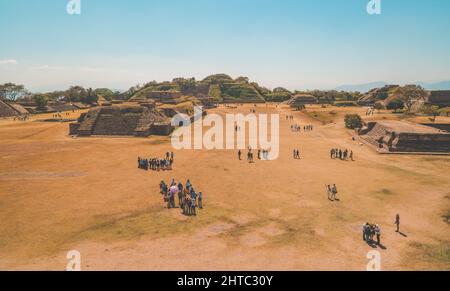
59	115
308	127
188	199
261	154
332	192
289	117
296	128
340	154
370	231
22	118
157	164
296	154
370	111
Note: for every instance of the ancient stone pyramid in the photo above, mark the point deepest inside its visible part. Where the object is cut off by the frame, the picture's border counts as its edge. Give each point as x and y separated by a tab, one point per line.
6	110
123	120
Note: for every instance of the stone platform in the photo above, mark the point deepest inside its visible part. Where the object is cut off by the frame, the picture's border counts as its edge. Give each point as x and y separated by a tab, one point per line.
389	136
122	120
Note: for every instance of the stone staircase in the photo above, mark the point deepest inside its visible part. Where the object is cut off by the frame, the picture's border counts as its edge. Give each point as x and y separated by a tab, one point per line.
122	121
116	124
403	137
377	137
6	110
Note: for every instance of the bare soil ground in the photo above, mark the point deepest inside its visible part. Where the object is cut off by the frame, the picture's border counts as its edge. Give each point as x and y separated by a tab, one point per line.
59	193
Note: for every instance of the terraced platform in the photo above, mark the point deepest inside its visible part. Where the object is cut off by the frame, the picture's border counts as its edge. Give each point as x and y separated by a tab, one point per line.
404	137
124	120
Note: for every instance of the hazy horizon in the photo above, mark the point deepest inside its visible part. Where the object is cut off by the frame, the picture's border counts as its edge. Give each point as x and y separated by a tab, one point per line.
293	44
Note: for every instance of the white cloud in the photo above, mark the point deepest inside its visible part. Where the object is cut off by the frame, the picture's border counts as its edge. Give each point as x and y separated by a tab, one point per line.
8	62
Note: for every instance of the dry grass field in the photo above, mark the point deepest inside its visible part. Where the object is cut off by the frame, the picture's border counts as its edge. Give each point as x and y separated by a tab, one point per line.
59	193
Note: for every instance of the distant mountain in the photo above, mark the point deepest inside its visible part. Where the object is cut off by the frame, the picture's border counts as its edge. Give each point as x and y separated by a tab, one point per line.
363	88
445	85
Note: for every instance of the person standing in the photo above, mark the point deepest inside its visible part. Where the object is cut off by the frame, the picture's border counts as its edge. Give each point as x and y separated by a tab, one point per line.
239	154
364	231
334	192
200	200
378	233
397	222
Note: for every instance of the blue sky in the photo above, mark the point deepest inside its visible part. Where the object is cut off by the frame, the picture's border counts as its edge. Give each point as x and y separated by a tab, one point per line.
298	44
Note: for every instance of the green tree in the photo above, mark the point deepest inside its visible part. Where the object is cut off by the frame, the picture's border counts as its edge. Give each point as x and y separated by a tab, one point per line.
41	101
410	94
395	104
75	94
105	93
11	91
378	106
90	97
353	121
431	110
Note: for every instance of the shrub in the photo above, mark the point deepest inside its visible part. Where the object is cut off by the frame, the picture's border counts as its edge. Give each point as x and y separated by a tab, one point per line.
353	121
378	106
395	104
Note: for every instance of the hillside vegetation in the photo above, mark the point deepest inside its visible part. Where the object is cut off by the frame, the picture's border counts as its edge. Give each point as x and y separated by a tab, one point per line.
221	87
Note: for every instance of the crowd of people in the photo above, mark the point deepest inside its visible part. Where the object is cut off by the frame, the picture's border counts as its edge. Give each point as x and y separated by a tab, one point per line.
370	111
157	164
59	115
340	154
22	117
370	231
309	127
188	199
332	192
261	155
296	128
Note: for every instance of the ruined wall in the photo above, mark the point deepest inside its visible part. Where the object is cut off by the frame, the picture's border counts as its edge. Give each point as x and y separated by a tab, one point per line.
410	142
440	126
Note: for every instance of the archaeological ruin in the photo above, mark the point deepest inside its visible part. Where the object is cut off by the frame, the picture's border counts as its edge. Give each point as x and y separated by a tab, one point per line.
11	109
389	136
122	120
